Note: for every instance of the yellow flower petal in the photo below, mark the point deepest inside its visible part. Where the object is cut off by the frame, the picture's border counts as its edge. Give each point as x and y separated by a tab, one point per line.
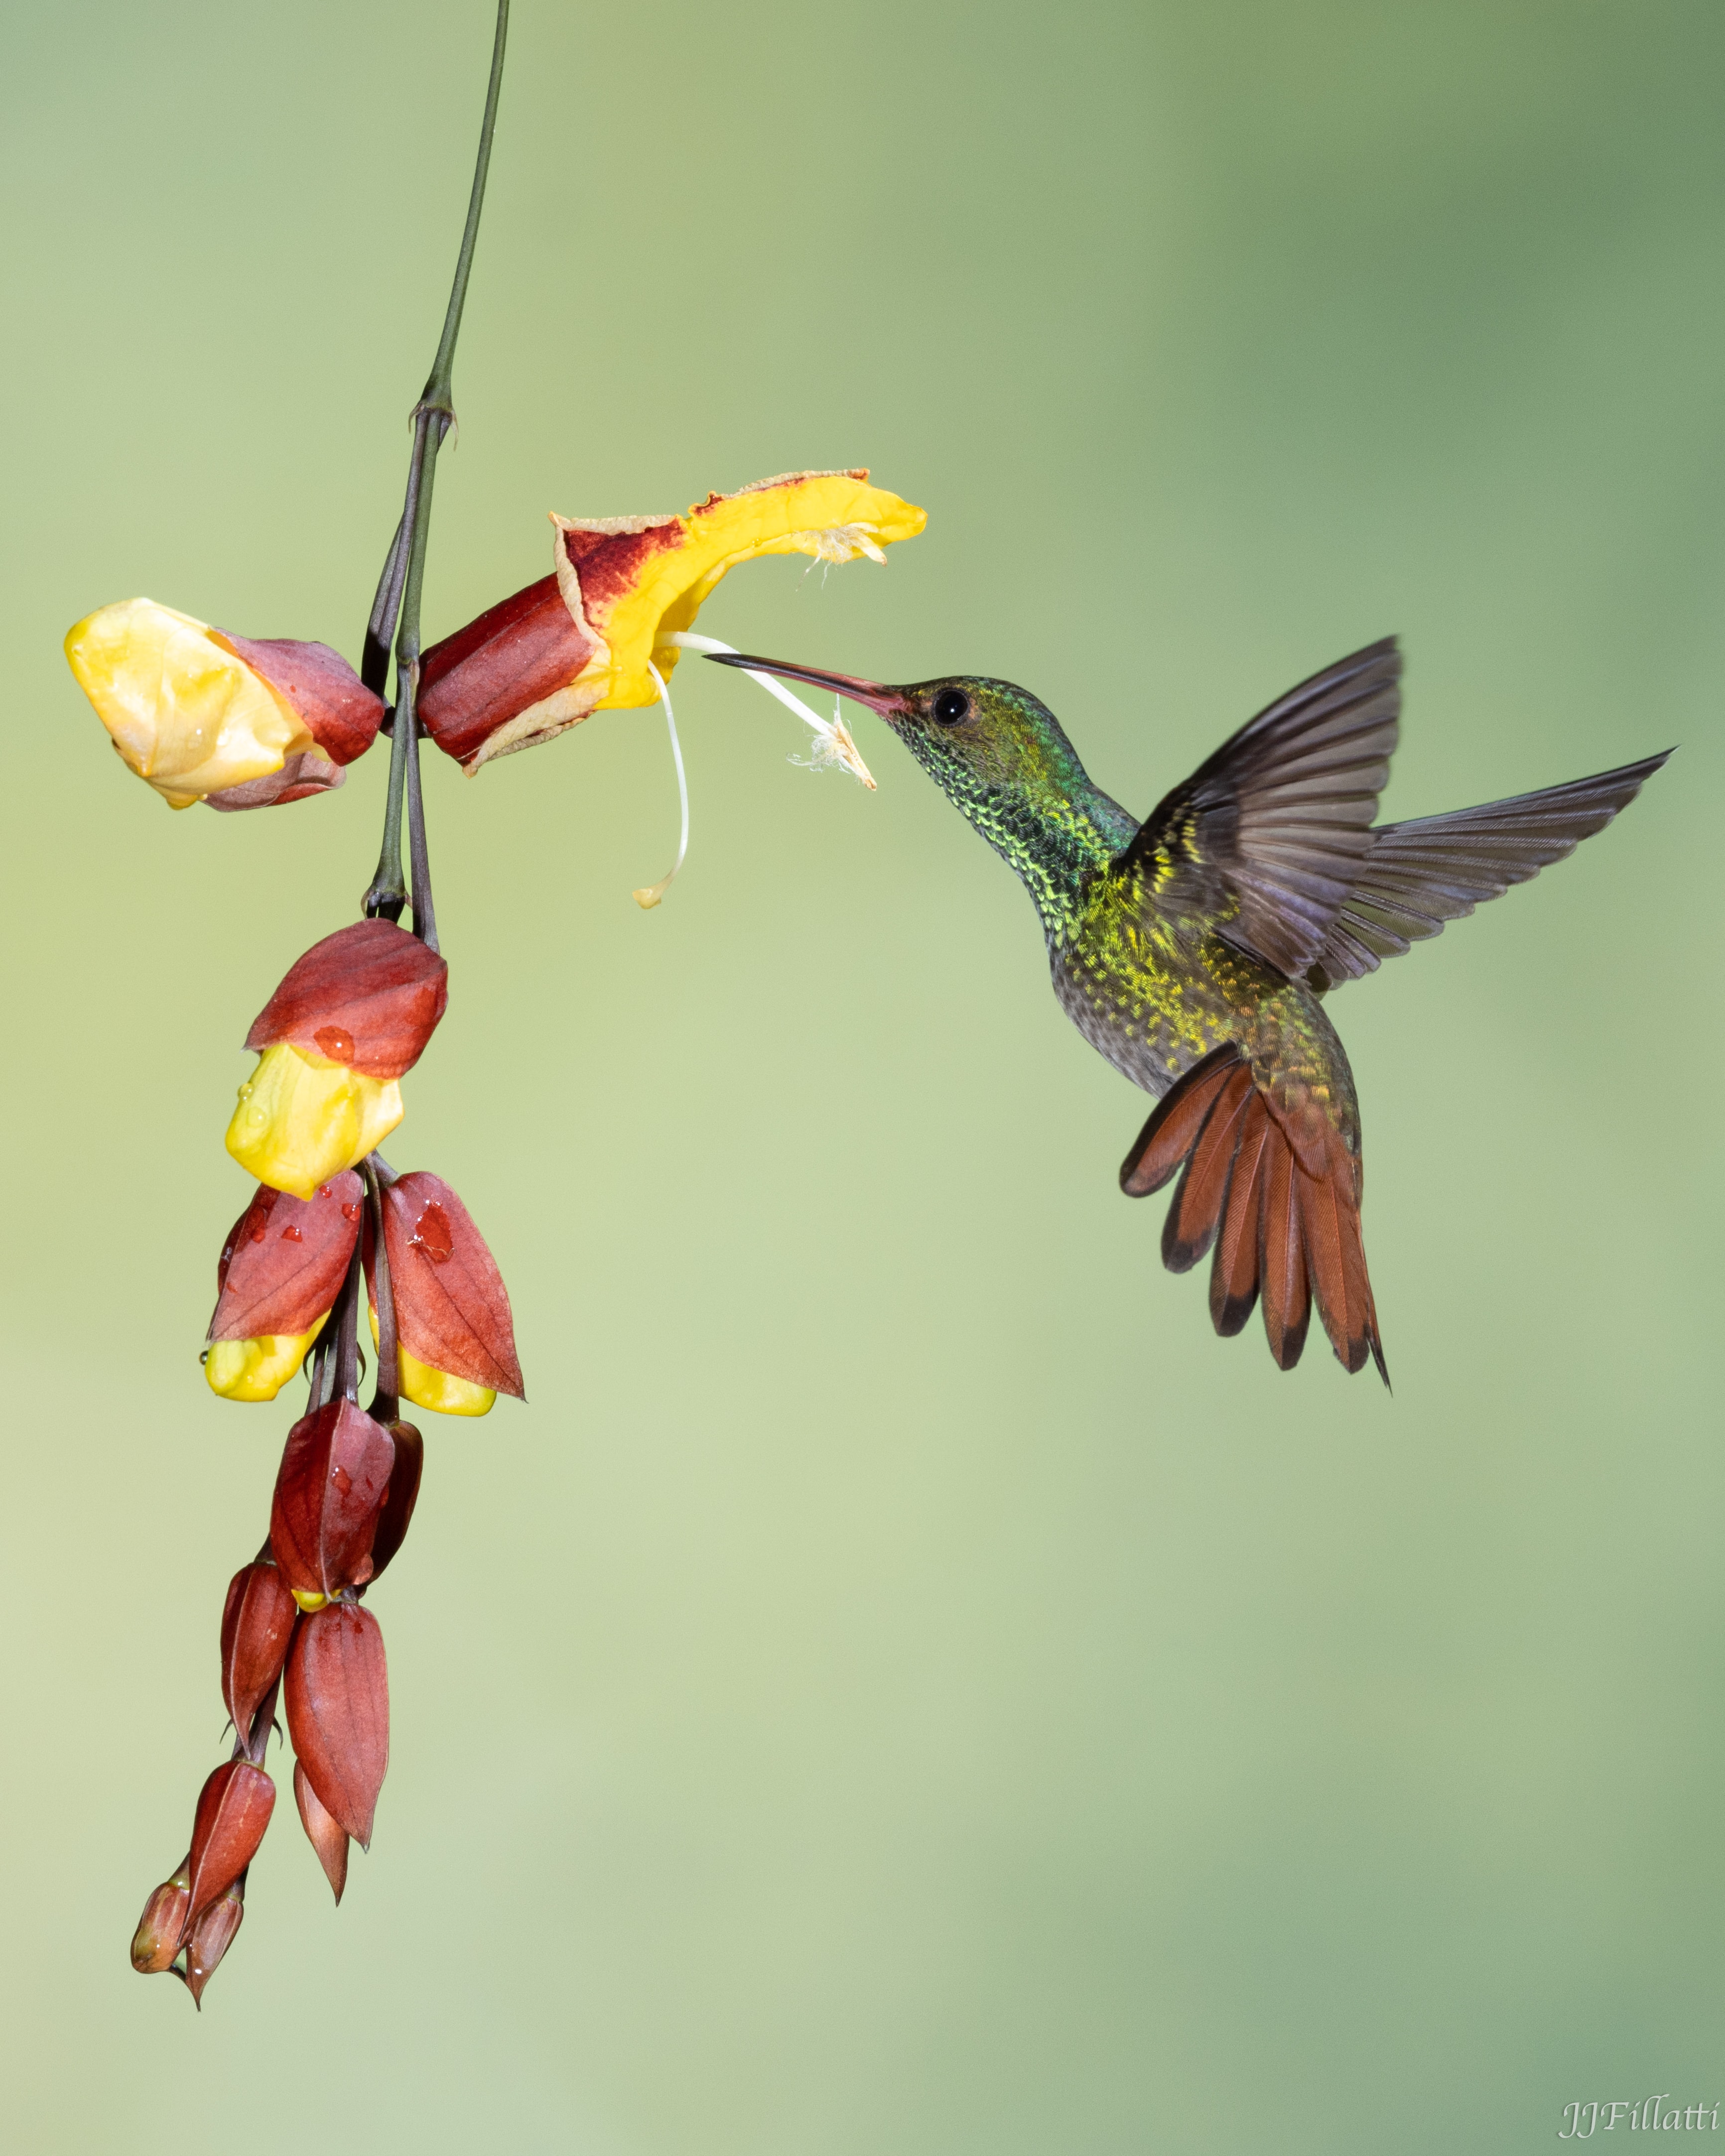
835	516
257	1369
302	1119
439	1391
185	713
436	1389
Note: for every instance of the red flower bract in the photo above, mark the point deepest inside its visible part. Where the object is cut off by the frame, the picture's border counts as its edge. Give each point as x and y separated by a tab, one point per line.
451	1307
256	1626
341	714
335	1471
517	654
283	1264
401	1496
233	1808
369	996
337	1697
211	1936
326	1834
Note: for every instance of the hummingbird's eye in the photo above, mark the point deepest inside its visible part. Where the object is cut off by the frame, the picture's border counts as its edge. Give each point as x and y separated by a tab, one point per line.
951	706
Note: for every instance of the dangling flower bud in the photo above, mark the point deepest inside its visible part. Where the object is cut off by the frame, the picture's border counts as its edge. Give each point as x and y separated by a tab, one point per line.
200	714
582	638
210	1937
457	1335
280	1272
162	1925
348	1019
328	1496
233	1808
401	1496
337	1697
257	1624
327	1837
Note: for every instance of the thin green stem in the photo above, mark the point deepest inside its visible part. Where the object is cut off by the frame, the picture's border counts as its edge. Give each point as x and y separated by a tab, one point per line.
395	611
437	386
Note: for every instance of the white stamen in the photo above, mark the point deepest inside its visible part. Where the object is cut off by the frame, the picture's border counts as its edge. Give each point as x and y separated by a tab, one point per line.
650	894
832	744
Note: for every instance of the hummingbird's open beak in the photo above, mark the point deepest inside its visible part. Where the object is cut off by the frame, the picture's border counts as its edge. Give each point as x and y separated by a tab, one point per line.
889	703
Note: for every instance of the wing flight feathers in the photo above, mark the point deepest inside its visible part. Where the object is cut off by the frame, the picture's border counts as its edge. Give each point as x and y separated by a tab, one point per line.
1416	877
1267	837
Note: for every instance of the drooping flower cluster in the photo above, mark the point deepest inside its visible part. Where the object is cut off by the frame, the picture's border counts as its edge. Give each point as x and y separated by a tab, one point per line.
240	723
328	1219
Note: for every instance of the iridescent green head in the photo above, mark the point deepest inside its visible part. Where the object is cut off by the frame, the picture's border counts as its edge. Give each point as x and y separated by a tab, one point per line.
1001	756
975	737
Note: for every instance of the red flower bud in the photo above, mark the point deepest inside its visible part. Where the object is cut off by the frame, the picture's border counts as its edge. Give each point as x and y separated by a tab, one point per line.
335	1471
337	1694
451	1307
339	712
401	1496
368	997
256	1626
162	1925
211	1936
322	1830
233	1808
284	1259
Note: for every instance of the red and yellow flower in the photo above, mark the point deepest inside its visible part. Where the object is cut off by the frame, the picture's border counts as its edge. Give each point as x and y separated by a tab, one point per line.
585	637
349	1020
204	716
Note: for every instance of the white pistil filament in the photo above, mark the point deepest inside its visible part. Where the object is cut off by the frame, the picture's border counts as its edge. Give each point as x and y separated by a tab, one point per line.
832	744
650	894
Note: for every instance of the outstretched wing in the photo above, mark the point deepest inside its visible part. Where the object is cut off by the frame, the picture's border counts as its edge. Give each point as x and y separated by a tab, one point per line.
1416	877
1266	839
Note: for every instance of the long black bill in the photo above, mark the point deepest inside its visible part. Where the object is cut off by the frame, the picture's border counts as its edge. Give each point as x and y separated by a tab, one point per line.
889	703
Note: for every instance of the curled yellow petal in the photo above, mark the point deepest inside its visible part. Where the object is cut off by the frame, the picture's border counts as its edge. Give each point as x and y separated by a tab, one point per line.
185	713
675	562
257	1369
302	1119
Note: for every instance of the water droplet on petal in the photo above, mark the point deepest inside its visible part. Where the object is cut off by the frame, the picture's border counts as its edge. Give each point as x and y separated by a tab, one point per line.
341	1479
291	1235
433	1233
335	1043
349	1212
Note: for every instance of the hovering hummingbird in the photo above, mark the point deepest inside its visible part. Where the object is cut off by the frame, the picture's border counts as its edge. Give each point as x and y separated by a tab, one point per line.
1193	950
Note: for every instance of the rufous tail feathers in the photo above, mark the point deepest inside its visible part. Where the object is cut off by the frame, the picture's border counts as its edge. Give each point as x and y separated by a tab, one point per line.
1284	1224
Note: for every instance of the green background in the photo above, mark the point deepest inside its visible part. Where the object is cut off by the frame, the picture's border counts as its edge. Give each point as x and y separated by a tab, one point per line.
903	1685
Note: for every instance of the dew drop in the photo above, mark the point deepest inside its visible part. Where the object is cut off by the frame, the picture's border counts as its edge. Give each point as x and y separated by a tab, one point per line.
341	1479
433	1233
349	1212
291	1235
335	1043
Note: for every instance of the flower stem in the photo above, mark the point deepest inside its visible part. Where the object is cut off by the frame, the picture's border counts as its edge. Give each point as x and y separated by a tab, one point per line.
386	1403
395	611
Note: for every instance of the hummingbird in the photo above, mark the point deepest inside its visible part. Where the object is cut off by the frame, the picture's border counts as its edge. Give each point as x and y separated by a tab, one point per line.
1194	950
